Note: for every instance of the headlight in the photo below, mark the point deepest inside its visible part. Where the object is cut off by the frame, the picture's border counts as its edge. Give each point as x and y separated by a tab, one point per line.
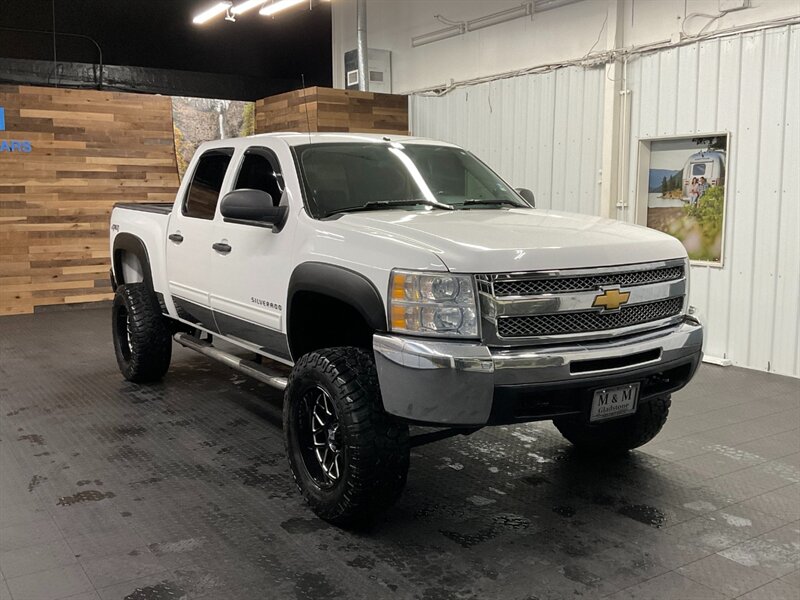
433	304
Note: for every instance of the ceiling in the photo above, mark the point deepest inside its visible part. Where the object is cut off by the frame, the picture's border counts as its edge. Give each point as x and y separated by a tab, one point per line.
160	34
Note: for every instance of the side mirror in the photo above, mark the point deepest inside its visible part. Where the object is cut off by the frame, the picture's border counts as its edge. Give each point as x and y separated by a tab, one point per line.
253	207
527	195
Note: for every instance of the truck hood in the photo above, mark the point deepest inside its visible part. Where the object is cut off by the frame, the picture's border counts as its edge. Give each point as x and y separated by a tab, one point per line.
494	240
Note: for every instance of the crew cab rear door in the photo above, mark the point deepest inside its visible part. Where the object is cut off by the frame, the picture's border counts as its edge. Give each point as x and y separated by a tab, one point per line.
248	294
190	236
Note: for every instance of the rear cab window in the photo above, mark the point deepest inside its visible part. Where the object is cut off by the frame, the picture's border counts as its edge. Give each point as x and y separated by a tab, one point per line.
203	193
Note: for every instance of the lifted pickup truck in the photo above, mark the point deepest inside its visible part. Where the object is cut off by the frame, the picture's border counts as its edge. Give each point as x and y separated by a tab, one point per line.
383	282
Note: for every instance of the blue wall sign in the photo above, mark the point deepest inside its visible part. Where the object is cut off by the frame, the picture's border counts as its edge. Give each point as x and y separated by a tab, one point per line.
12	145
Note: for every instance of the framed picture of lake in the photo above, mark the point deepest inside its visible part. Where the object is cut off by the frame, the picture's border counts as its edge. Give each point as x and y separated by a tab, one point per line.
684	178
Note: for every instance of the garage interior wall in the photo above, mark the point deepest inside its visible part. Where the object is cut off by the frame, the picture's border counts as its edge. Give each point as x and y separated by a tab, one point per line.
327	109
748	85
570	31
88	150
544	131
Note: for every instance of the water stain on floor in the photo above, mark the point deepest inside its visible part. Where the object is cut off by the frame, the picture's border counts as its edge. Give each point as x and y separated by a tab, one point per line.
735	521
130	454
252	477
644	513
160	591
85	496
185	545
580	575
34	438
298	525
35	481
362	562
315	586
468	540
511	521
129	430
149	481
84	482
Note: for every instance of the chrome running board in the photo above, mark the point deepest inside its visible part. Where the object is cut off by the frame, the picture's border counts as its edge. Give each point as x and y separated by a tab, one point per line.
264	374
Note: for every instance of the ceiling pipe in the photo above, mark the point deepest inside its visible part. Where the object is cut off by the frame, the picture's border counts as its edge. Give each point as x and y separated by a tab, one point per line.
526	9
363	49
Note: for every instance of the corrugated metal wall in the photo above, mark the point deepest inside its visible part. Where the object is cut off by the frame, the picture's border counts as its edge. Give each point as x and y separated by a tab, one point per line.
542	132
748	85
545	132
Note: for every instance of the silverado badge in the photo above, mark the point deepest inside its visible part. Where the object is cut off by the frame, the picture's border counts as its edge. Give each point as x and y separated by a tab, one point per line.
610	300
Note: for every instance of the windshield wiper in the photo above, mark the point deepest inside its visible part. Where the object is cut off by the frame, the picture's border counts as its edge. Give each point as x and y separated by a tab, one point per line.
381	204
489	201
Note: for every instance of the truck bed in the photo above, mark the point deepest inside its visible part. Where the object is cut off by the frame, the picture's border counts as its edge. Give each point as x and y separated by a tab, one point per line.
142	225
163	208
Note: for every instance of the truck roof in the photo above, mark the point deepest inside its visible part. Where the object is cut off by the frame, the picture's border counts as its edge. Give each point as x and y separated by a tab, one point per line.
294	138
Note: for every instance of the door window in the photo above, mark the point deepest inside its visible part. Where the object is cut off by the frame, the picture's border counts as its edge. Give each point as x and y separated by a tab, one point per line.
203	195
260	171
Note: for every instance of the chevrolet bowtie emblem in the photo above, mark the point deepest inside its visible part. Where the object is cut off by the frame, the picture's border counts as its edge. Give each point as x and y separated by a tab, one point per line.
611	299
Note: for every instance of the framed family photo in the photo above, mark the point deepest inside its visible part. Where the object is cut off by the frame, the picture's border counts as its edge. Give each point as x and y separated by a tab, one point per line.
682	191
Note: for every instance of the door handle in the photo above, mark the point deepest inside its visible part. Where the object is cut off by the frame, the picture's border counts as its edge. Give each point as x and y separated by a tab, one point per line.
175	237
221	247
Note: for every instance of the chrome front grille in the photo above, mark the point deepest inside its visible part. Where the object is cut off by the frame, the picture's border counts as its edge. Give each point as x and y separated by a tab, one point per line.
579	304
579	322
557	285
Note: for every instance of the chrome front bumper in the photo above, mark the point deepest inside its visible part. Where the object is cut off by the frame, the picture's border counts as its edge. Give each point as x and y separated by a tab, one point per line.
452	383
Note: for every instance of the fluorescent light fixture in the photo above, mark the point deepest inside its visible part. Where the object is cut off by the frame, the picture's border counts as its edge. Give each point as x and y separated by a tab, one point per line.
279	5
510	14
207	15
439	34
242	8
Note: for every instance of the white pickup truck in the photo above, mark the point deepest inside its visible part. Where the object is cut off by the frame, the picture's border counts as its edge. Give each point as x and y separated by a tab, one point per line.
388	281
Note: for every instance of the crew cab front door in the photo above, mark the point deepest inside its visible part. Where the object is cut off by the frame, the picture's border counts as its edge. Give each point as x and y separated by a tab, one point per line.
251	278
190	234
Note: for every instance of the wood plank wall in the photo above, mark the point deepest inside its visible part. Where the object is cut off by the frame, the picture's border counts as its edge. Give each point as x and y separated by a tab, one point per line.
333	110
89	149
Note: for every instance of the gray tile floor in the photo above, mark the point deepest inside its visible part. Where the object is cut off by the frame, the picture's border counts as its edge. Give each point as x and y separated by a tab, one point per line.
181	490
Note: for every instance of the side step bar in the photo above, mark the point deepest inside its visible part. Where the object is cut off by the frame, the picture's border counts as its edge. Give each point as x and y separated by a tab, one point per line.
272	377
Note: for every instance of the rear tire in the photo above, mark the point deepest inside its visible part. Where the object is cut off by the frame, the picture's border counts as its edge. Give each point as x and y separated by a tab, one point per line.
347	456
142	341
619	435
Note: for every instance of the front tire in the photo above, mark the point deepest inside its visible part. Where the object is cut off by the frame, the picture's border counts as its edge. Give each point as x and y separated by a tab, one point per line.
619	435
347	456
142	341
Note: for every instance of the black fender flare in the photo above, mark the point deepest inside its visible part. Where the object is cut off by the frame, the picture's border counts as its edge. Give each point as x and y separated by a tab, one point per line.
130	243
341	283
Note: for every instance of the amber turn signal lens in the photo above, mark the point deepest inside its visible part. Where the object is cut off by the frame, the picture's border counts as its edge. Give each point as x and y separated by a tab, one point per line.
398	317
398	286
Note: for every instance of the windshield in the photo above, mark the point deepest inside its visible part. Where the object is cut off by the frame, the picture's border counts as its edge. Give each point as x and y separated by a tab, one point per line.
345	177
